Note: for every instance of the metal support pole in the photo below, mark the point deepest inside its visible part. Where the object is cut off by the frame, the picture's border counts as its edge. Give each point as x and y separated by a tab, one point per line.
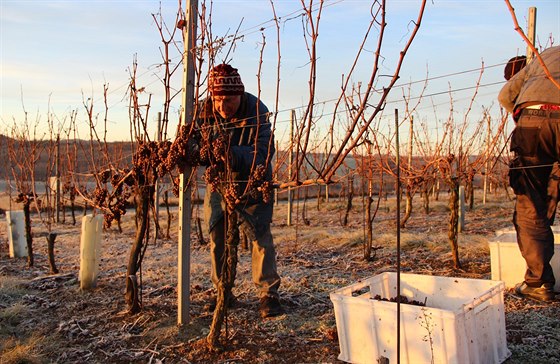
290	167
461	226
398	192
410	149
487	164
184	263
277	161
157	186
531	30
57	198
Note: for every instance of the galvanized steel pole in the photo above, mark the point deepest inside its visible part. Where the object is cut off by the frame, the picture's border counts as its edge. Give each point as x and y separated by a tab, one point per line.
184	263
290	168
398	192
531	30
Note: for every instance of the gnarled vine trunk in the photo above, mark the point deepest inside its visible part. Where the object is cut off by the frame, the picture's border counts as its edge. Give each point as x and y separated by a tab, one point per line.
132	297
453	229
227	279
28	235
426	199
408	210
51	238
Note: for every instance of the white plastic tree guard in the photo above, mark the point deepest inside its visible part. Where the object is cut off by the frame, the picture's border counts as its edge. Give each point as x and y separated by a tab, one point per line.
16	234
90	250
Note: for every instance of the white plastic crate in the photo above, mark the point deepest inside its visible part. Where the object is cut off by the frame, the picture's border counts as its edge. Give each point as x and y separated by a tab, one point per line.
507	263
463	320
555	230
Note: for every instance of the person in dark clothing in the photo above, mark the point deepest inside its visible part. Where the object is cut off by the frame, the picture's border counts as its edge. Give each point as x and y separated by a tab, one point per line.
534	99
243	118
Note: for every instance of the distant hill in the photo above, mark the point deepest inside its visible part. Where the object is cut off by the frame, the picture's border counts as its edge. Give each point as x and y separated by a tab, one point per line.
72	152
76	155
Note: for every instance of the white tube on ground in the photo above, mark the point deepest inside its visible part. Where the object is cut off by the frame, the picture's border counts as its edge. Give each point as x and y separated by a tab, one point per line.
90	250
16	234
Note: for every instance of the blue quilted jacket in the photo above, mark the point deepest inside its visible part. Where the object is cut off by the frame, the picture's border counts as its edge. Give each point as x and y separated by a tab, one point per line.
251	142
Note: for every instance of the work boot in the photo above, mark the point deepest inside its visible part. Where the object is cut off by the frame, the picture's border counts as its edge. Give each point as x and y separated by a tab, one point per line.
231	302
543	293
270	307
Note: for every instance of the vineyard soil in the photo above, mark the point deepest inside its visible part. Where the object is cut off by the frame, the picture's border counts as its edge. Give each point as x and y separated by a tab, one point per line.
45	318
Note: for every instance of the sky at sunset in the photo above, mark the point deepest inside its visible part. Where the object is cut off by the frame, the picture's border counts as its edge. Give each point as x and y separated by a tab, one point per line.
56	56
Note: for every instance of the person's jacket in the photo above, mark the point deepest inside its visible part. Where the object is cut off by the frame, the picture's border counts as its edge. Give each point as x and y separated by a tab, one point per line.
251	144
530	86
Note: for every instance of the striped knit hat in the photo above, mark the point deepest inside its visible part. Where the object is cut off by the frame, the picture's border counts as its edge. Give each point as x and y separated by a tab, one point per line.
224	80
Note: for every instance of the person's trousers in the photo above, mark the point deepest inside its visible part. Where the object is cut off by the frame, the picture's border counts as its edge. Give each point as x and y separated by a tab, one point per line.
535	180
263	256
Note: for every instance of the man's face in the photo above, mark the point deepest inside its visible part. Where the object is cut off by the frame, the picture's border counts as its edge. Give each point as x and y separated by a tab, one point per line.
226	106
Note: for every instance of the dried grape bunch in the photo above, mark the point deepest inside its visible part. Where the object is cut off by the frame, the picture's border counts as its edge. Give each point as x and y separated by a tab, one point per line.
162	154
256	183
163	149
212	177
183	151
117	209
105	175
138	174
129	179
100	195
231	195
176	187
266	189
145	158
115	179
25	198
204	154
108	218
119	184
259	172
403	299
205	144
220	146
173	156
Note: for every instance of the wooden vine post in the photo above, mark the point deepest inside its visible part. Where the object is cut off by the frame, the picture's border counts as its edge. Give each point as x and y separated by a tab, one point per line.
183	264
